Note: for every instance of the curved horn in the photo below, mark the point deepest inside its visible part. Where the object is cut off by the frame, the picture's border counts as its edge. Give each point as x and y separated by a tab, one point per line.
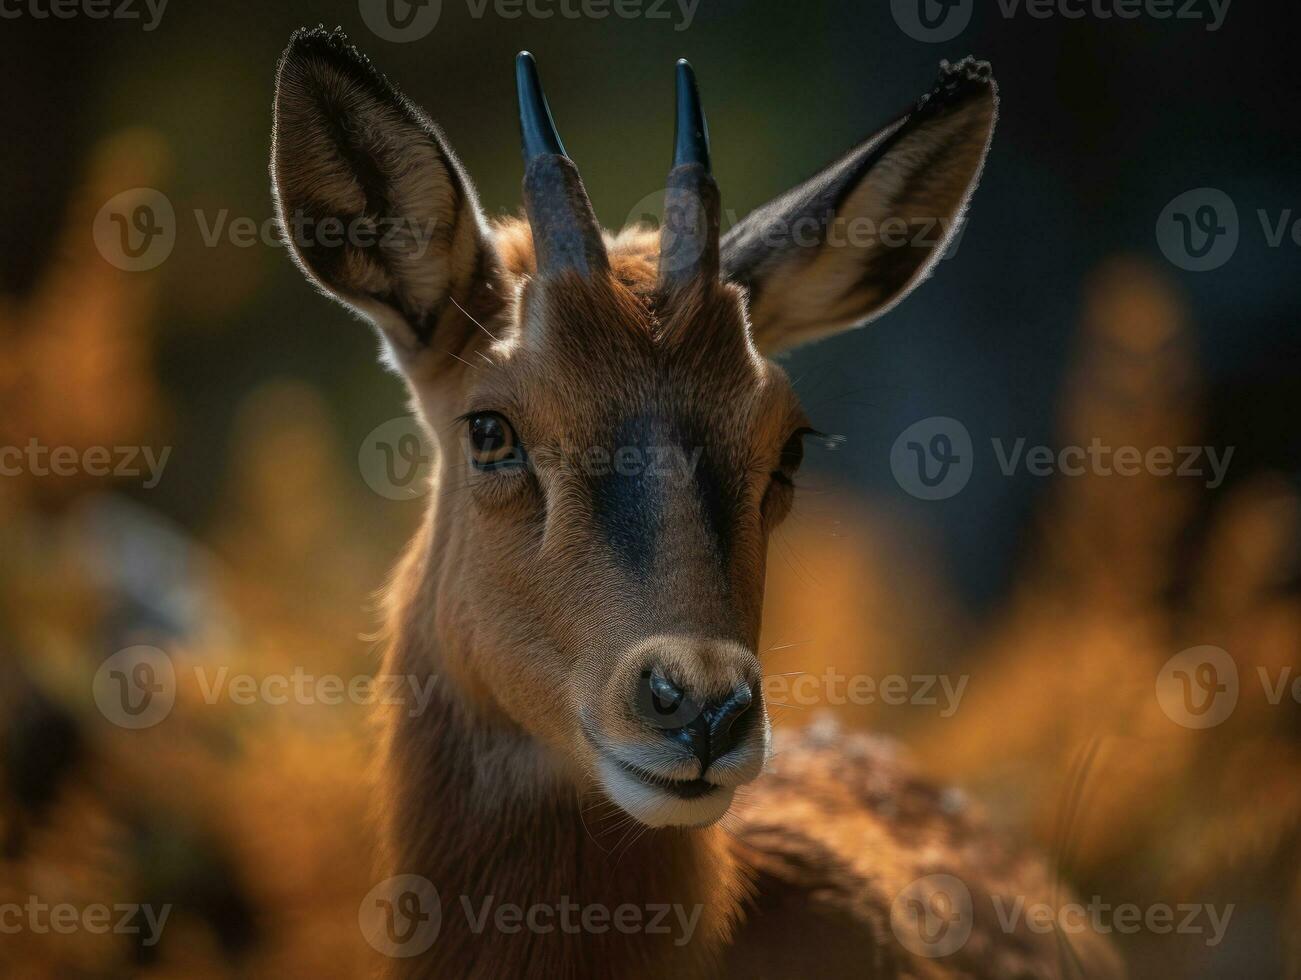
689	235
566	234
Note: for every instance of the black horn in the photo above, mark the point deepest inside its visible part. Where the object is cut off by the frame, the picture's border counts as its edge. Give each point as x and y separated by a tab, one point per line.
566	234
689	235
690	131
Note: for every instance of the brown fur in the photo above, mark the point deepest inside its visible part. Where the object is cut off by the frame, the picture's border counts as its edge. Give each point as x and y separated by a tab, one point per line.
537	616
827	845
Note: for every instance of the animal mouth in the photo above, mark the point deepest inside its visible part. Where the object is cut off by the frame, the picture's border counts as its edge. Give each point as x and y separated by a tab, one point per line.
661	801
655	799
683	789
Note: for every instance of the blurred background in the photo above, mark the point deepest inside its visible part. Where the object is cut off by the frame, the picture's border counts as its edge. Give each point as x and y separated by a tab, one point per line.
1072	309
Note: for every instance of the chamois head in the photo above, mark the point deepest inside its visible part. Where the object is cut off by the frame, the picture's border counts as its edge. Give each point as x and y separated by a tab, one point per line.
615	446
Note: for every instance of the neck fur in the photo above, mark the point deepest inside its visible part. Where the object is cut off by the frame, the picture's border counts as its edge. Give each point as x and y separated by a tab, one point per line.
503	831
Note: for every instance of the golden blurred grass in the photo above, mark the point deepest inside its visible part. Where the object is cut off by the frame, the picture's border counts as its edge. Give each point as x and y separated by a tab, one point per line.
258	817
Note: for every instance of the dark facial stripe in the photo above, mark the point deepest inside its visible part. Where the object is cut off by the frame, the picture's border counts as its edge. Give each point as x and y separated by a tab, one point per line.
628	505
631	503
715	489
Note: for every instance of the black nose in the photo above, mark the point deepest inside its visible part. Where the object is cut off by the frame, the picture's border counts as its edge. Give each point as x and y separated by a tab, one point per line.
709	728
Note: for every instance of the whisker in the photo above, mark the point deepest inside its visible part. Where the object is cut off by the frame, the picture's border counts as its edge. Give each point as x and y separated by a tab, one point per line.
472	319
472	367
785	646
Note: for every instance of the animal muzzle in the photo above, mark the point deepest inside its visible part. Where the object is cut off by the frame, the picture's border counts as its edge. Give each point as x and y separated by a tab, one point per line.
680	724
709	726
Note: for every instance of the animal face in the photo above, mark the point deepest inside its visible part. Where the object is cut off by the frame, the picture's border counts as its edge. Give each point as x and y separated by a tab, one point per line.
623	465
615	445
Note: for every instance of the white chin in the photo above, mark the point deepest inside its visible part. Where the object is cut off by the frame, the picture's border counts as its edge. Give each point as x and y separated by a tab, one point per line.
657	808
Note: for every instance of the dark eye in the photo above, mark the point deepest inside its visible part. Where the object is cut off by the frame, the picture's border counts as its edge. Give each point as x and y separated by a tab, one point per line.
493	443
792	455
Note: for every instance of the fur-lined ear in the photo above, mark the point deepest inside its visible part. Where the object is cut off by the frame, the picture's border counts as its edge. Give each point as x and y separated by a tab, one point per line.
850	243
373	202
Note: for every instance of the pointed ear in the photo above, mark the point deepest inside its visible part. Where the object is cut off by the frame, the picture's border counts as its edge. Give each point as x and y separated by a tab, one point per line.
847	245
375	206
